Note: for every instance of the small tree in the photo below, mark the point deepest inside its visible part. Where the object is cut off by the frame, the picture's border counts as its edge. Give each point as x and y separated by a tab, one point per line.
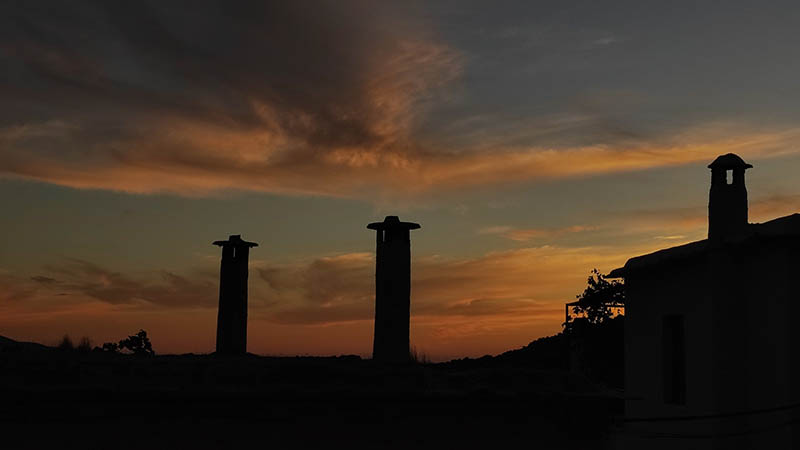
138	344
418	357
599	298
66	343
110	347
84	345
596	337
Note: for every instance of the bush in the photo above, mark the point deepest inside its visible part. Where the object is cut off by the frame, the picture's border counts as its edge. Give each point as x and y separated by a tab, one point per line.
138	344
85	345
109	347
66	344
418	357
599	301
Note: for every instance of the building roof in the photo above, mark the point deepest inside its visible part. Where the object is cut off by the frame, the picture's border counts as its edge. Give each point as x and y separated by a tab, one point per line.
236	241
788	226
392	222
729	161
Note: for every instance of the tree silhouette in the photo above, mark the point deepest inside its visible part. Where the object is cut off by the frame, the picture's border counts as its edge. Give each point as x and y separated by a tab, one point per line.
596	336
84	345
138	344
598	300
66	343
110	347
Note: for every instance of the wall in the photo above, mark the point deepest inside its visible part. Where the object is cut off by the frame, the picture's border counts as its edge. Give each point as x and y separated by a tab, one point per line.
741	308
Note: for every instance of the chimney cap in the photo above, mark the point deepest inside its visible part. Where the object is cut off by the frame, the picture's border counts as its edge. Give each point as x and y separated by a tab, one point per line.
392	222
235	240
728	162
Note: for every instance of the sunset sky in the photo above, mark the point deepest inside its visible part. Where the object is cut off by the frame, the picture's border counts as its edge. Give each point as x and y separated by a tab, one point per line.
532	140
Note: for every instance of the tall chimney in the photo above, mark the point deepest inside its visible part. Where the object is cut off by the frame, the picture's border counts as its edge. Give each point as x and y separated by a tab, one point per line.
727	200
232	313
392	289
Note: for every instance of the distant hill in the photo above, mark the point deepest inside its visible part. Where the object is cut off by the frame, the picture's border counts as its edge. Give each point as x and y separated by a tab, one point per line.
598	349
550	352
10	345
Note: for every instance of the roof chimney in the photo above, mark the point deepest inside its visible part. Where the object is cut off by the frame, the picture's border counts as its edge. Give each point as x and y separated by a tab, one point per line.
727	200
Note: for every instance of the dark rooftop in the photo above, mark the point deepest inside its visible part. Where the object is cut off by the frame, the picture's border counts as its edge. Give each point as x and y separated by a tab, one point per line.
788	226
729	161
392	222
235	240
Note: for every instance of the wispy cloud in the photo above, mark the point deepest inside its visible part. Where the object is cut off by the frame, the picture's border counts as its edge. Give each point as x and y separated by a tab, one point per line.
496	229
674	237
652	227
279	91
285	99
85	279
766	208
692	221
196	160
522	286
529	234
603	41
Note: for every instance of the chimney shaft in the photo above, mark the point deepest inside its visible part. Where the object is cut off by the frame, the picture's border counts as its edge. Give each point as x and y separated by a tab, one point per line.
232	313
727	200
392	289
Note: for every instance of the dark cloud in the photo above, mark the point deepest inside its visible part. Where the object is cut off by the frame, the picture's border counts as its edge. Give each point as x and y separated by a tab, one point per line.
334	98
13	289
209	60
324	290
44	280
78	277
115	86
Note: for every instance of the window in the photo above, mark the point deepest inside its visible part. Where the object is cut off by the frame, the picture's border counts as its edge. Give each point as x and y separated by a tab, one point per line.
674	359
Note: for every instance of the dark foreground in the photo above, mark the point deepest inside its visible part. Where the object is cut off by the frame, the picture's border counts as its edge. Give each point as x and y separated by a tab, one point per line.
57	399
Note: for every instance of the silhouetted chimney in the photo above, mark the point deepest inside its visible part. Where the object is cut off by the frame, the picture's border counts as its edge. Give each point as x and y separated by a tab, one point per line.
392	289
727	201
232	314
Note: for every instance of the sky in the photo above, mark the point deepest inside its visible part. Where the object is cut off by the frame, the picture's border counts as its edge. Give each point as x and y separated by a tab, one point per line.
533	141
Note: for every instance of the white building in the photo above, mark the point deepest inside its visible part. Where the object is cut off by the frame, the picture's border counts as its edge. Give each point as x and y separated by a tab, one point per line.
712	331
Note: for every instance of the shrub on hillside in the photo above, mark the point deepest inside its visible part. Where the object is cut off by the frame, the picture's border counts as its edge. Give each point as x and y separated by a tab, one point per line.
138	344
66	343
85	345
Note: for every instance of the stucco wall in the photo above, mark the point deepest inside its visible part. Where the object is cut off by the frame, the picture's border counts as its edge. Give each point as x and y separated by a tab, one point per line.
678	289
741	307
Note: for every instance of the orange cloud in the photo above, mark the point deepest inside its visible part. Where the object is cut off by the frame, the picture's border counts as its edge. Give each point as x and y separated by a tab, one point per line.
340	116
200	158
